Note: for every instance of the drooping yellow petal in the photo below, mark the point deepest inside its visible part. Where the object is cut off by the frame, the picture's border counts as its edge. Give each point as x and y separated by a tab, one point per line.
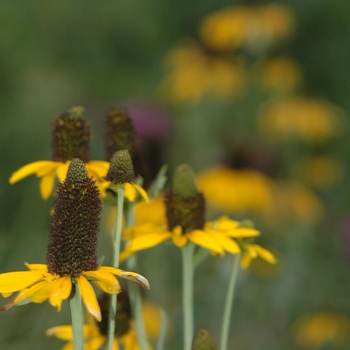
69	346
142	192
246	260
15	281
265	254
62	171
42	294
61	290
97	168
130	192
179	240
27	170
131	276
46	185
89	297
147	241
226	243
108	282
48	169
203	239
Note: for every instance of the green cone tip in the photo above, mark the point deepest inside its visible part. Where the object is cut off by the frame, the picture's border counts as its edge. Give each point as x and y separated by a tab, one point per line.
203	341
121	168
184	184
77	170
76	112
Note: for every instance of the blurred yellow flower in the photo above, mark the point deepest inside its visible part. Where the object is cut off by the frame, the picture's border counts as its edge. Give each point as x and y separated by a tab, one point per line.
323	328
277	74
193	73
241	190
255	27
300	117
253	251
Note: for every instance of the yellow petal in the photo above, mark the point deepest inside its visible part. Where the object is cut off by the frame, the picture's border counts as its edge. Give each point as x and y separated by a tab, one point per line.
60	291
89	297
65	332
15	281
130	192
23	295
37	267
227	243
96	343
48	169
265	254
27	170
225	223
42	294
110	283
62	171
147	241
97	168
69	346
203	239
246	260
46	185
179	240
131	276
242	232
142	192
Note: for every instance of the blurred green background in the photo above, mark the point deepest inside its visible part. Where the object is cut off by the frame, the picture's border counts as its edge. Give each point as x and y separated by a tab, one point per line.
58	54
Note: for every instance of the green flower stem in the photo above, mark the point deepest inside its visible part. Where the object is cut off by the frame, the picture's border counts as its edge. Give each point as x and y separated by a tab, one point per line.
187	293
77	318
134	290
228	304
162	330
116	241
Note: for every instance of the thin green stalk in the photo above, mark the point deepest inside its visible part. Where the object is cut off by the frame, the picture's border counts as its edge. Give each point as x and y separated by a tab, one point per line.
162	330
187	293
134	290
228	304
116	253
76	310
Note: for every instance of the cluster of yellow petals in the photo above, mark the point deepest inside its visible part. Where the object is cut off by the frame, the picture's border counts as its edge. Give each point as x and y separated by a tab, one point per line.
192	73
38	285
254	27
300	117
48	171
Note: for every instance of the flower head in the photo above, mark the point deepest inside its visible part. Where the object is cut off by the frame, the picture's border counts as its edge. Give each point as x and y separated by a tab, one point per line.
121	173
70	139
71	257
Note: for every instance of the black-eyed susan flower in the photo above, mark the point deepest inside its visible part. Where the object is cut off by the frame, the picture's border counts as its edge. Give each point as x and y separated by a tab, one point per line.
121	173
95	334
192	72
185	214
300	118
70	139
71	257
253	27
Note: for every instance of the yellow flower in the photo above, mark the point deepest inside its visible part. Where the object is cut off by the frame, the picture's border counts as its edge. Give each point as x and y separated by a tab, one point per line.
193	73
236	190
300	117
253	251
38	285
70	139
130	190
323	328
95	333
48	171
256	27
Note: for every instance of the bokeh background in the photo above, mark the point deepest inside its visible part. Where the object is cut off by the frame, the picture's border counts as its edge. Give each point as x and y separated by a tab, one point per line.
253	95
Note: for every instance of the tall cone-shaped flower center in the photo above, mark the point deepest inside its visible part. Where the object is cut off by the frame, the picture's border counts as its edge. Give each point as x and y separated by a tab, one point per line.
121	135
71	137
185	206
75	224
123	315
